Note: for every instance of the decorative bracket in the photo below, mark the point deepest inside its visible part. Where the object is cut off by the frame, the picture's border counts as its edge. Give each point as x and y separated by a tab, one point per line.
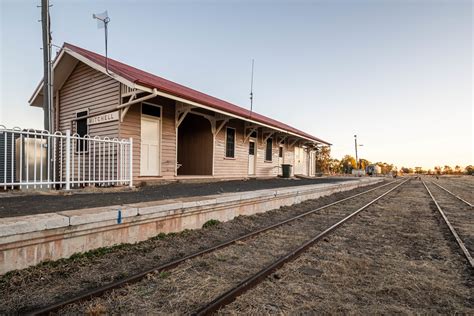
291	144
265	138
248	131
215	130
124	107
282	140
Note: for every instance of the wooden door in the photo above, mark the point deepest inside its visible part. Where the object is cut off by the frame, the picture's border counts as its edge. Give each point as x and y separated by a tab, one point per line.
252	151
304	161
280	158
150	146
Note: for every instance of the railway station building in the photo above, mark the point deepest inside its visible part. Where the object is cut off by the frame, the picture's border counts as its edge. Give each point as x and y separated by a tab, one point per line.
177	132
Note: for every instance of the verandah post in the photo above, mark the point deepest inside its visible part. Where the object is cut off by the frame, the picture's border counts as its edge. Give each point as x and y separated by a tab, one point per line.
68	159
131	162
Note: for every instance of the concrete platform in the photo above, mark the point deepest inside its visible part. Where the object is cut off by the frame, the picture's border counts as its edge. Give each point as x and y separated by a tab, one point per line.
29	240
14	203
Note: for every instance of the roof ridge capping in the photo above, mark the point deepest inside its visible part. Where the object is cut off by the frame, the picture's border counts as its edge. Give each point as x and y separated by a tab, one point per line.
140	77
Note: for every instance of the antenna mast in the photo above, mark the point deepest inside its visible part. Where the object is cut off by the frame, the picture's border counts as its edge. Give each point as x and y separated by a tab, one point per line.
251	90
102	22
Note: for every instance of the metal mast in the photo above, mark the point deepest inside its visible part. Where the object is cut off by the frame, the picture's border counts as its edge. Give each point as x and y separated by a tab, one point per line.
357	159
102	22
251	90
47	77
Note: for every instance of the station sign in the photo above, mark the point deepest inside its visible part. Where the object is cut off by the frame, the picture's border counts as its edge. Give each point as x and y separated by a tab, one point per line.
103	118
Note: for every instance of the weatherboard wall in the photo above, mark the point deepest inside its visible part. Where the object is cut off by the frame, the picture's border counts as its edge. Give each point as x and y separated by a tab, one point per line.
89	89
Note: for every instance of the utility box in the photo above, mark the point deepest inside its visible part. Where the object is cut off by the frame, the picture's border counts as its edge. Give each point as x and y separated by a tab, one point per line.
33	161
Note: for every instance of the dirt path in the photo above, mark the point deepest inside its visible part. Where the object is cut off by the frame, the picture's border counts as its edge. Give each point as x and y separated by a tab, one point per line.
185	288
21	204
48	282
396	257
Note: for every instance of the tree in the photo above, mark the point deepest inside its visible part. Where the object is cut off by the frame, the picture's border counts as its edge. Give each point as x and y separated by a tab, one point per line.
437	169
385	167
363	163
334	166
347	164
323	157
447	170
457	169
419	170
469	170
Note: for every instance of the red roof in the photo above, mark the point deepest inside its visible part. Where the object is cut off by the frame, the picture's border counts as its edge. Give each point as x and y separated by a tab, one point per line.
151	81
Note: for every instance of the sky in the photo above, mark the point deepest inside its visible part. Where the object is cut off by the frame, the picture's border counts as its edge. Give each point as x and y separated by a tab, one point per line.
399	74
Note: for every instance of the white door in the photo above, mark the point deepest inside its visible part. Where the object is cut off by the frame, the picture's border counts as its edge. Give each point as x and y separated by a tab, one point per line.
280	158
298	160
252	151
312	162
304	161
301	161
150	146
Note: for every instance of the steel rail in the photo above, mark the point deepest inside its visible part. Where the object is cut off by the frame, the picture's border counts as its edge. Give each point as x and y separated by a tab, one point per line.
456	196
451	228
229	296
98	291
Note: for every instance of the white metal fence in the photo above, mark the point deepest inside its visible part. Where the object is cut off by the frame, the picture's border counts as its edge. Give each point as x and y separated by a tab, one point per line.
38	159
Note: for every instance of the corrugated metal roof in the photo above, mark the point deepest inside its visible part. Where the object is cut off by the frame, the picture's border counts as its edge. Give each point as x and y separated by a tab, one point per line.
149	80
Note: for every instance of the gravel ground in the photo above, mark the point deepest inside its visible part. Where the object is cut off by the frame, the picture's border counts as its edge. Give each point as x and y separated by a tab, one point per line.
183	289
461	186
397	257
50	281
459	214
29	204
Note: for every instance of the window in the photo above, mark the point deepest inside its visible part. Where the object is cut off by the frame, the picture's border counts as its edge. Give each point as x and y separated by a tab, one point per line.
268	150
81	130
230	143
152	110
254	134
280	151
252	148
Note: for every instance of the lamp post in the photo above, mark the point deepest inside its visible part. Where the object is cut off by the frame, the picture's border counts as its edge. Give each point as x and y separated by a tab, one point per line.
355	145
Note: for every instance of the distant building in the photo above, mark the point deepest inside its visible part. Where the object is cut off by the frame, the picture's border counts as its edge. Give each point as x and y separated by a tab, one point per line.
373	170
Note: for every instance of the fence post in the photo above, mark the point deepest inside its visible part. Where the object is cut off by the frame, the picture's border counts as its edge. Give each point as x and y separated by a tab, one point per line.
68	159
131	162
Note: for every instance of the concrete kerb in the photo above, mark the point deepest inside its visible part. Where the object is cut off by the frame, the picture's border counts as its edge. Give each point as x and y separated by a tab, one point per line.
82	230
26	224
99	214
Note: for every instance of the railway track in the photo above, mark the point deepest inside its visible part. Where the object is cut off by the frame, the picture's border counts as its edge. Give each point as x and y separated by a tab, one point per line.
451	193
97	292
455	212
230	295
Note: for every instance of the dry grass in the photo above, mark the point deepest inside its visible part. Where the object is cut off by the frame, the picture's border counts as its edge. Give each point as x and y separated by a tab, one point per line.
462	186
50	281
199	280
393	258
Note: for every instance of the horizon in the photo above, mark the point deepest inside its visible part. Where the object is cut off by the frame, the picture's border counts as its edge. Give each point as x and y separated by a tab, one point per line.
401	78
